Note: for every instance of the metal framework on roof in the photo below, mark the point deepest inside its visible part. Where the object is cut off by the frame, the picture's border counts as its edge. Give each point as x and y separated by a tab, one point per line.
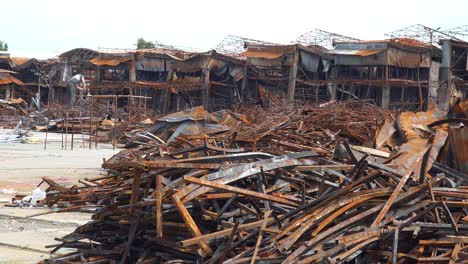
234	45
157	46
114	50
461	32
426	34
162	46
322	38
82	52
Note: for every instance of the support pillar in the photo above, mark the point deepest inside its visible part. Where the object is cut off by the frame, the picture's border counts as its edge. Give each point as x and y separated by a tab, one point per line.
132	73
162	102
205	92
331	86
8	92
244	83
445	77
292	80
165	96
331	91
385	99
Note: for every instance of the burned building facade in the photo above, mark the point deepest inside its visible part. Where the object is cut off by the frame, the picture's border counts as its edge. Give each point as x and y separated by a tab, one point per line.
209	79
395	73
453	73
64	67
287	73
21	77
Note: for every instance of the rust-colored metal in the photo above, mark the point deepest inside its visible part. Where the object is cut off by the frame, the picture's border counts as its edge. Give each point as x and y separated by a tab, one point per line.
301	197
158	207
216	185
205	250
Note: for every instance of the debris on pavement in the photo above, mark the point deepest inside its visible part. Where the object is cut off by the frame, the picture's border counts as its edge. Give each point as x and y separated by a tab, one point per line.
274	186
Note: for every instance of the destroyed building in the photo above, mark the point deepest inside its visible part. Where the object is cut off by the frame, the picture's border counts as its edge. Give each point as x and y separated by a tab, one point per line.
210	79
453	72
287	73
64	67
395	73
139	73
8	84
234	157
20	77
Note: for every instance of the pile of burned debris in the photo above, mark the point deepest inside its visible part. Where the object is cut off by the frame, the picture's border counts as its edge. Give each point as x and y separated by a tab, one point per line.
12	111
339	182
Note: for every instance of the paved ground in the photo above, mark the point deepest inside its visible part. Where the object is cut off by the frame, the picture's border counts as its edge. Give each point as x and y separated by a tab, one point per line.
23	240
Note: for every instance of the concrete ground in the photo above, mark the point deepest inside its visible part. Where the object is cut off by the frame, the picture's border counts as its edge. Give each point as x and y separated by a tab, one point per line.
22	239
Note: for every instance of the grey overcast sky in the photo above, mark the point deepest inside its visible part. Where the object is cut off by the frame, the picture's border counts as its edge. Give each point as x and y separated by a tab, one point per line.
44	28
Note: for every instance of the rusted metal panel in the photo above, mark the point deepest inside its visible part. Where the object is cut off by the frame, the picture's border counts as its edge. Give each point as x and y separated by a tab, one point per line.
109	62
378	58
153	64
407	59
458	144
268	52
362	53
6	78
412	127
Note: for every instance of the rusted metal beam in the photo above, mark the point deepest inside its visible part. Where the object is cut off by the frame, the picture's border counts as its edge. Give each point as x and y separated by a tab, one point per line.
220	186
192	226
158	207
260	235
390	200
228	244
222	233
242	171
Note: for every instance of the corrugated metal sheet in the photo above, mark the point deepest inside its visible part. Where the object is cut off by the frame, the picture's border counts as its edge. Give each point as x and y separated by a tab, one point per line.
286	60
193	64
461	109
219	67
407	59
6	78
268	52
19	60
109	62
407	120
262	54
399	41
411	153
237	72
309	61
392	56
197	113
346	57
458	140
152	64
356	52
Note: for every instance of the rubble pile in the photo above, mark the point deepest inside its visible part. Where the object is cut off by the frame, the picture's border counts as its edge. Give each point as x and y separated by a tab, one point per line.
320	184
12	111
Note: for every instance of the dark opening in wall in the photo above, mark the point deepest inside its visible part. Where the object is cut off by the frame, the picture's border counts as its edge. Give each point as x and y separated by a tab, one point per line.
151	76
114	74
